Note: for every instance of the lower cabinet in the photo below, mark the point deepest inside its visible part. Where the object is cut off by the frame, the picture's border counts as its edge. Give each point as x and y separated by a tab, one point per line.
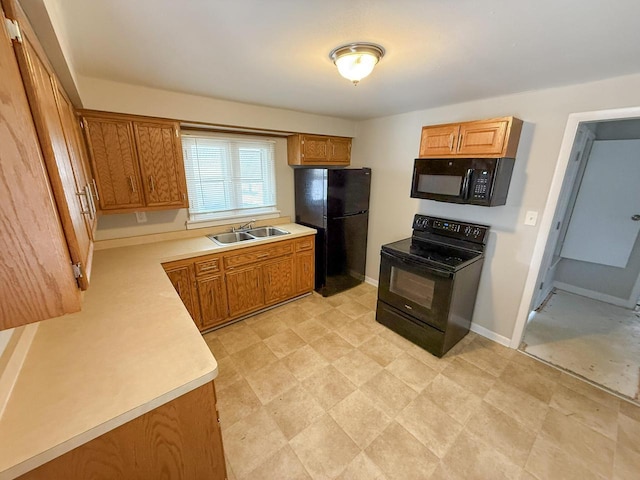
183	280
278	280
222	287
213	301
305	272
178	440
244	290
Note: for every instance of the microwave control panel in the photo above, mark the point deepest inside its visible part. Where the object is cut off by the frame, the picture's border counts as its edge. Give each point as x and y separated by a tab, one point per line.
481	184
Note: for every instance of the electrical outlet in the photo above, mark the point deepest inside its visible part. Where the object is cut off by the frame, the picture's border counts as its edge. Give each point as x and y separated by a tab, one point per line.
531	218
141	217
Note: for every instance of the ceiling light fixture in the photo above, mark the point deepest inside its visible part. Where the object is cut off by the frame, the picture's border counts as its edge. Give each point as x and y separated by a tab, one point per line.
356	60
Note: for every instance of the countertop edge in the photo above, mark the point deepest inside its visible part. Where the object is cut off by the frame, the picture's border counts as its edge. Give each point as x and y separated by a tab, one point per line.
95	432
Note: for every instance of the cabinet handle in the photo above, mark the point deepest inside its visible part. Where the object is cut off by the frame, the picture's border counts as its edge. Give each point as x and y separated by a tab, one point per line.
459	141
451	142
179	289
132	184
263	255
88	210
95	189
152	185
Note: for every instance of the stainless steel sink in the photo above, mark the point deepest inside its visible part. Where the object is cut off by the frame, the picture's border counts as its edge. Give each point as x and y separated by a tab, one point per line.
267	232
246	235
228	238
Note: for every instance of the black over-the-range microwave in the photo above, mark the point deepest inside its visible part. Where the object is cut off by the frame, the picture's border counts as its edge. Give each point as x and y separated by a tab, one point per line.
474	181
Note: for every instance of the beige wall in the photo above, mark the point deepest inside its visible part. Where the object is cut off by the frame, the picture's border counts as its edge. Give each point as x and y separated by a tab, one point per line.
388	145
119	97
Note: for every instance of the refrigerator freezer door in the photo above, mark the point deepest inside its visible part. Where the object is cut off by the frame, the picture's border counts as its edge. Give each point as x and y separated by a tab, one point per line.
346	250
347	191
310	196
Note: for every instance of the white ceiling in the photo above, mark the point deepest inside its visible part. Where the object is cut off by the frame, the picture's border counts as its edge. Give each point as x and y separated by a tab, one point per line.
275	52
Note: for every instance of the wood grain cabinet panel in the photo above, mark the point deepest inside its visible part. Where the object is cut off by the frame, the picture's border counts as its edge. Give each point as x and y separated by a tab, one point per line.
161	163
318	150
114	163
278	280
137	162
180	440
183	280
437	141
492	138
212	294
36	278
244	290
305	272
44	94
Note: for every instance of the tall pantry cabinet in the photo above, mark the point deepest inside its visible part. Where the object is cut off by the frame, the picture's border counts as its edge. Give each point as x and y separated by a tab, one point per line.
48	210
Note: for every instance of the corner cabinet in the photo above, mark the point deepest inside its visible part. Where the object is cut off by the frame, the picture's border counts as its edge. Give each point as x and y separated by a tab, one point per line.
219	288
318	150
137	162
492	138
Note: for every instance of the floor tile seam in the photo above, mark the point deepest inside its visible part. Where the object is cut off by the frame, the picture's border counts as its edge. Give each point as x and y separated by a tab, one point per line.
489	447
572	418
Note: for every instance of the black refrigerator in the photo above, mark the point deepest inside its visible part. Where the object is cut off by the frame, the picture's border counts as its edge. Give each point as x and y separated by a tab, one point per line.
336	203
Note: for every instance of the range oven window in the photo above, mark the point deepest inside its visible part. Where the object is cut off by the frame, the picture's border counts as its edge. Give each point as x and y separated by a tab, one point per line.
440	184
413	287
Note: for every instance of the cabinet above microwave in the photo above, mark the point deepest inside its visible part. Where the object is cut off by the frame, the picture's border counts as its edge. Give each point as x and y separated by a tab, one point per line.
491	138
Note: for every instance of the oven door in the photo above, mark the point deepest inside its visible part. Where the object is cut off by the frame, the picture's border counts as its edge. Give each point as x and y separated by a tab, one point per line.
419	290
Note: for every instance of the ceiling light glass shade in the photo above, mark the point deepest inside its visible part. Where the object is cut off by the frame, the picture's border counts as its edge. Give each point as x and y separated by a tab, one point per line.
356	60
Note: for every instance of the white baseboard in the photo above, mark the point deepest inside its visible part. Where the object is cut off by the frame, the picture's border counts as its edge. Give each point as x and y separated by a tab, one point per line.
485	332
371	281
603	297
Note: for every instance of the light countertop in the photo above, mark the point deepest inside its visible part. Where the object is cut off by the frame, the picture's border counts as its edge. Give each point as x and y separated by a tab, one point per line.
132	348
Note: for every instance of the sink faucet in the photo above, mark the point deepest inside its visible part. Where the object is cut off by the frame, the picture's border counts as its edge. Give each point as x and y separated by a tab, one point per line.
248	225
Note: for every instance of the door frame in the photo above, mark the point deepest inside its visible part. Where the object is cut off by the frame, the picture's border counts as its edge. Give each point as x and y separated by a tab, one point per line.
549	211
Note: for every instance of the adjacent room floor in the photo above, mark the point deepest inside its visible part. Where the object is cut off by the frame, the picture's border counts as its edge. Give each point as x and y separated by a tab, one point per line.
317	389
593	339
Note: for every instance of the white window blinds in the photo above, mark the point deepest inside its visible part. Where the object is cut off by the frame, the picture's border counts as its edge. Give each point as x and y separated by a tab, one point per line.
229	177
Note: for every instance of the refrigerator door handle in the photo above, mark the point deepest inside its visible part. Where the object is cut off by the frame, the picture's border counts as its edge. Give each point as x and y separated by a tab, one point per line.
349	215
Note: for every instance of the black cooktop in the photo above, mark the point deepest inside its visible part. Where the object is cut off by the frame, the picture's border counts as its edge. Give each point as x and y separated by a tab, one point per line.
443	256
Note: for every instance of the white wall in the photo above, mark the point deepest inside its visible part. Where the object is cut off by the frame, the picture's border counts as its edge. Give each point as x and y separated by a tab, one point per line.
388	145
125	98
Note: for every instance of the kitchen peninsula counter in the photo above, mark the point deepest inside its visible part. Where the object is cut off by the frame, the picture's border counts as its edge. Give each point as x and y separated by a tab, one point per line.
132	348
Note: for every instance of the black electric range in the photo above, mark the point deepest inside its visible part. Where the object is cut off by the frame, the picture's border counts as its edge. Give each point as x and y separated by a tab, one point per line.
429	282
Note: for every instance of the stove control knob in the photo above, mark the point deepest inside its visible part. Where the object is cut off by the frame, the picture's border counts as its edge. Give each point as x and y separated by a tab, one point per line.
467	231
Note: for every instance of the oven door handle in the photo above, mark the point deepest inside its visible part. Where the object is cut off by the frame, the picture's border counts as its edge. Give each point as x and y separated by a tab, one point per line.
466	183
417	265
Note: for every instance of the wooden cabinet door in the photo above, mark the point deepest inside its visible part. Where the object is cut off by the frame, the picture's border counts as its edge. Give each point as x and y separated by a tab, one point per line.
79	163
36	277
114	162
314	149
161	165
439	140
213	301
278	280
41	85
244	290
340	151
183	280
482	138
305	274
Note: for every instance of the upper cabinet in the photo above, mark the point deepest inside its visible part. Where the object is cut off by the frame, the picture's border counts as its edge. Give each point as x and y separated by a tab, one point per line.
493	138
36	275
56	127
318	150
137	162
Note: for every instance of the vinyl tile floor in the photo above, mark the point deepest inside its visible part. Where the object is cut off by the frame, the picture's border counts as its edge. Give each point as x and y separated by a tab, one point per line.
593	339
317	389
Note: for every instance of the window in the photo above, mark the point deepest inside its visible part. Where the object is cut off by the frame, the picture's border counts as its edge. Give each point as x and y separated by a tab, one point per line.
229	177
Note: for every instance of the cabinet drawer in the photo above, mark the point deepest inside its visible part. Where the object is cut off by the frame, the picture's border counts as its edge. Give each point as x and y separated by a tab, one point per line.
304	244
256	255
211	265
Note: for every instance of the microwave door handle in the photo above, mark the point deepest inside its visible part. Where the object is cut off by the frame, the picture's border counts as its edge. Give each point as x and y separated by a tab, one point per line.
466	183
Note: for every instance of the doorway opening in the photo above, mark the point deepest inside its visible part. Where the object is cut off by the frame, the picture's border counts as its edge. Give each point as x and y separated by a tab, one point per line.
584	315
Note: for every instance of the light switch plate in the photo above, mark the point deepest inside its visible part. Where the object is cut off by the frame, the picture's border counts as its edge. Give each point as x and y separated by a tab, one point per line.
531	218
141	217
